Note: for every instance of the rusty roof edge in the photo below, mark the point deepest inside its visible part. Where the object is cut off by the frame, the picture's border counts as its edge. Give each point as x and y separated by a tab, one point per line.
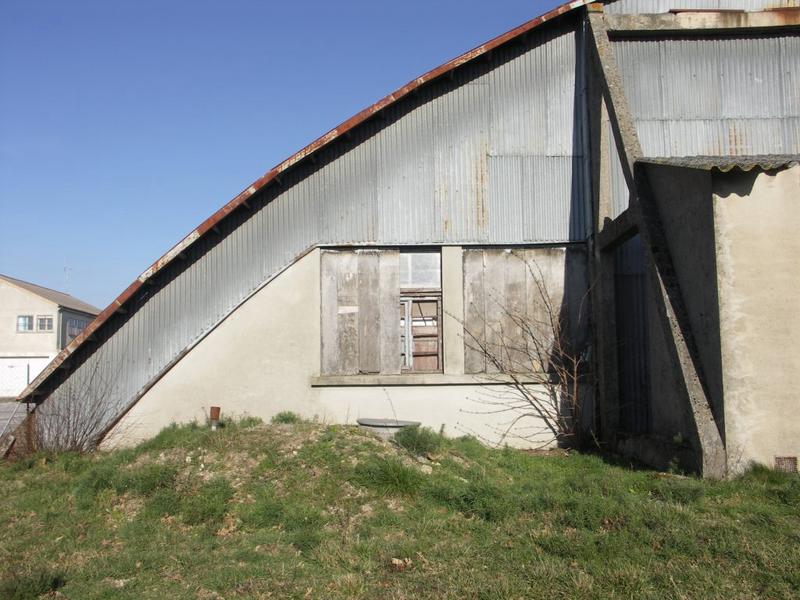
270	175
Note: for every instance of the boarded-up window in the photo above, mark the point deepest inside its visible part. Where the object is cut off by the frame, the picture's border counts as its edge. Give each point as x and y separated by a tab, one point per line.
502	283
362	330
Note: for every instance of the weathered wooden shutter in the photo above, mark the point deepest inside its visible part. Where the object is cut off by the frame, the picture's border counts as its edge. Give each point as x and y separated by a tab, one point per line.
360	290
499	283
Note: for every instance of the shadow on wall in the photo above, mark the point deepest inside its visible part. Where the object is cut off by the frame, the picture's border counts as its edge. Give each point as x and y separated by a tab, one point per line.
576	307
737	182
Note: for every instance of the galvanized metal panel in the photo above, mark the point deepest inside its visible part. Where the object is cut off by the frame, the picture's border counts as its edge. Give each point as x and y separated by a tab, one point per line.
718	84
506	198
562	179
790	73
711	96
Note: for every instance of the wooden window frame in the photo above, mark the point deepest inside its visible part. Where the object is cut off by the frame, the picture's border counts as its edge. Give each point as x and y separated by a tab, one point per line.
409	296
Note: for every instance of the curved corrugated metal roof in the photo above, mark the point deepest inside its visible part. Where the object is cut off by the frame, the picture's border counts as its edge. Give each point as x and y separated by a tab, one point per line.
273	174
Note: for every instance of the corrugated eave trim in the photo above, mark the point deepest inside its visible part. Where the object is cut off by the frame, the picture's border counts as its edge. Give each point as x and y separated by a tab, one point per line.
766	162
261	182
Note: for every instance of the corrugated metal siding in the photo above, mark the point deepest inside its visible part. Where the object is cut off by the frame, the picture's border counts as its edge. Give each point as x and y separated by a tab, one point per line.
439	173
494	155
712	96
662	6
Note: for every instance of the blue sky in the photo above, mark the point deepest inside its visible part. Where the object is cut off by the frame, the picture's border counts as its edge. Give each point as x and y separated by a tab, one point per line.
124	124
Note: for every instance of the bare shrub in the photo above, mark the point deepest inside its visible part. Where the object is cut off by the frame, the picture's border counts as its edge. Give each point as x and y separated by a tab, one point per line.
76	415
538	354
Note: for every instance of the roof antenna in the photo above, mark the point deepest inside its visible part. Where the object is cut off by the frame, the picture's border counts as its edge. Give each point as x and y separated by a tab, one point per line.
66	278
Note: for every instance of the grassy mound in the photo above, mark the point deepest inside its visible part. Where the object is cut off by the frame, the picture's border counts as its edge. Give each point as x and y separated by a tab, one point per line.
300	510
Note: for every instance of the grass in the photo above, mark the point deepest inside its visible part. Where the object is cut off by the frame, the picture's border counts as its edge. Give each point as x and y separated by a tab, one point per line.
31	583
286	418
263	511
208	504
388	476
419	440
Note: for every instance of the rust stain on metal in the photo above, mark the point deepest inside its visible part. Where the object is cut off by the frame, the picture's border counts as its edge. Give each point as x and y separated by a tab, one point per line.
481	169
786	15
273	173
735	141
677	11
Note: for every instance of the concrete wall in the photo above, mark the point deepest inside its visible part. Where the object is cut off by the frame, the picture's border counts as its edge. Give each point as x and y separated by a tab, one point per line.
684	205
683	198
265	358
15	301
734	245
23	355
757	220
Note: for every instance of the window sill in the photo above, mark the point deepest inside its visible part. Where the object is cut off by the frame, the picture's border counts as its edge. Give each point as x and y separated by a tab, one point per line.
413	379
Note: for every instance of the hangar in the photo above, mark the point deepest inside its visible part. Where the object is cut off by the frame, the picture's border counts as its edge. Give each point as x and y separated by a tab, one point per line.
642	154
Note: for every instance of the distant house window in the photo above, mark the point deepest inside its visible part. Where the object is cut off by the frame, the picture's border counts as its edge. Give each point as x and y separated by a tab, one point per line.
25	323
74	327
44	323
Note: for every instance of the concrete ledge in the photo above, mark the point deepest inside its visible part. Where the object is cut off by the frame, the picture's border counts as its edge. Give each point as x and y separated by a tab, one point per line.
703	21
620	229
413	379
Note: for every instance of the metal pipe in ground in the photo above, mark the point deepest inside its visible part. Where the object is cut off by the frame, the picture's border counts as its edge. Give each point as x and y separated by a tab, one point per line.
214	417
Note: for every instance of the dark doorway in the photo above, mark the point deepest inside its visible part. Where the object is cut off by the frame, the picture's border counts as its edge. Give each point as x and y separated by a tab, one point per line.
631	317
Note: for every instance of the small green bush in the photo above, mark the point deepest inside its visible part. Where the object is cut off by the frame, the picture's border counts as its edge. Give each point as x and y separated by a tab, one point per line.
286	417
758	473
24	463
418	440
389	476
266	511
146	480
161	503
106	476
249	422
31	585
208	504
478	498
788	493
784	487
303	525
677	491
470	447
97	478
175	436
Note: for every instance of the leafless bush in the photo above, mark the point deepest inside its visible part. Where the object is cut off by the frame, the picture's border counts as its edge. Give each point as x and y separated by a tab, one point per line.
76	415
539	355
